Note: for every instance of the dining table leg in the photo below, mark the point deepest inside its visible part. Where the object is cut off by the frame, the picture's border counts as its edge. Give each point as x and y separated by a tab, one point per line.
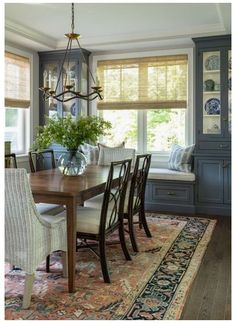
71	241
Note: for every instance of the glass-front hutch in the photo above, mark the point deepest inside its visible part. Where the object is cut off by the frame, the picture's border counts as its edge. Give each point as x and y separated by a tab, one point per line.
212	160
49	69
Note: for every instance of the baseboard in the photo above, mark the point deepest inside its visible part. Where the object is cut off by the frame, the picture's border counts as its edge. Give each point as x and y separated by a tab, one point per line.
189	209
214	210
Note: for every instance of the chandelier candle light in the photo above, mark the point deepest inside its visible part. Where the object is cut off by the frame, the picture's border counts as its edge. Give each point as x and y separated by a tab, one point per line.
69	90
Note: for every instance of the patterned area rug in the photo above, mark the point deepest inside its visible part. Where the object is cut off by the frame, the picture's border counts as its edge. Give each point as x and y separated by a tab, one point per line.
154	285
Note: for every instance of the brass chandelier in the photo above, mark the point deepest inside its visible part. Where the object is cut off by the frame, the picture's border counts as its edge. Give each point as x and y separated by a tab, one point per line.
69	92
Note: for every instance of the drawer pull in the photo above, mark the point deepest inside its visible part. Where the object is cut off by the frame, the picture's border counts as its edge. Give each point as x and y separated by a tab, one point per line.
171	193
223	146
226	165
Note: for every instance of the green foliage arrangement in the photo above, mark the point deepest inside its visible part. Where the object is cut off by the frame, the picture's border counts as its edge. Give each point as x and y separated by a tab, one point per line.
70	132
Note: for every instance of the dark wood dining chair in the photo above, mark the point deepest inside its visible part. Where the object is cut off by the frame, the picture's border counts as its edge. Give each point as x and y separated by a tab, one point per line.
43	160
97	224
10	161
135	198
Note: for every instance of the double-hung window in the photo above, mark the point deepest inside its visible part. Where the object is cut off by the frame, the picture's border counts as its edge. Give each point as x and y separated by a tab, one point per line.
17	101
146	100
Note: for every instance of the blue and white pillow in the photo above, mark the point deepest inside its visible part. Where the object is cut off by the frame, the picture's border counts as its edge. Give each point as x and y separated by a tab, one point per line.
181	158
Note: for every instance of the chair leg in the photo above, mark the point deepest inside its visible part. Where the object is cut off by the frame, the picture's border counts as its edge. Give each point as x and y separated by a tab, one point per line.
132	234
103	261
64	259
122	241
48	264
144	222
29	280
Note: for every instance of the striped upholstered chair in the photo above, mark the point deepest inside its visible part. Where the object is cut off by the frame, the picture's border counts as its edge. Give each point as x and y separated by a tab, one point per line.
29	236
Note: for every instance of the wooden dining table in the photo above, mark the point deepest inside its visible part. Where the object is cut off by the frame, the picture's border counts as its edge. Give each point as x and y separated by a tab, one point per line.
51	186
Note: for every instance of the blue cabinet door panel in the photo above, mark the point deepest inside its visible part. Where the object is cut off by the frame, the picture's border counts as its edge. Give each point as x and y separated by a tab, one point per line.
210	175
227	182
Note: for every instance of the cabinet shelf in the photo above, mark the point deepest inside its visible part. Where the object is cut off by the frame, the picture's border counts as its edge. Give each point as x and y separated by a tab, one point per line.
211	92
211	71
211	115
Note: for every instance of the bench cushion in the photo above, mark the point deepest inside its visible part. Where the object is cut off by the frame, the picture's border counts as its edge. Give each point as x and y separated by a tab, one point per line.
171	175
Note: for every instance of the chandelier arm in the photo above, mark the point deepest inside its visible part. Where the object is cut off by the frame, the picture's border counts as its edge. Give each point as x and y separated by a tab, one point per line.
76	97
85	61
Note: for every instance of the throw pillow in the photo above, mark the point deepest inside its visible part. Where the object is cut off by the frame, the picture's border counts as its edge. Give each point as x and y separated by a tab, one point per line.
91	153
108	155
181	158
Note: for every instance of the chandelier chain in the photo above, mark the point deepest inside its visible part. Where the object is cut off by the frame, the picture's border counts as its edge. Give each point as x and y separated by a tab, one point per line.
72	18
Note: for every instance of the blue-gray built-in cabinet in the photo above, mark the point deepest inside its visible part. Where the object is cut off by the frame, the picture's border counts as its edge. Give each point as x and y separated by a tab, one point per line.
49	69
212	158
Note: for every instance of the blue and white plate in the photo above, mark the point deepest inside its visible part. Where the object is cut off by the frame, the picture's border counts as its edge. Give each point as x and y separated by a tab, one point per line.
212	63
73	109
212	106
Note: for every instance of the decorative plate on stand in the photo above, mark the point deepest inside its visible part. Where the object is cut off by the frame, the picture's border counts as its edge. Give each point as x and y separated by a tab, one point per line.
212	106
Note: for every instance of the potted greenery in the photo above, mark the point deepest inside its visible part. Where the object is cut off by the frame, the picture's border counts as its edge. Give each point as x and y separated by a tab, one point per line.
70	133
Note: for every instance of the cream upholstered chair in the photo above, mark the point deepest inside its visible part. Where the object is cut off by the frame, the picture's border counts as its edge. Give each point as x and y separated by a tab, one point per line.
29	236
43	160
108	154
98	224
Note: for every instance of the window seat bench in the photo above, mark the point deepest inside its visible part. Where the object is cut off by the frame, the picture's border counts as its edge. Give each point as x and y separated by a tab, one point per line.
170	191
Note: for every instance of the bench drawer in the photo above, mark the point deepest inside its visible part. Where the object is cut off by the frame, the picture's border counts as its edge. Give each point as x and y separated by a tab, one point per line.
172	193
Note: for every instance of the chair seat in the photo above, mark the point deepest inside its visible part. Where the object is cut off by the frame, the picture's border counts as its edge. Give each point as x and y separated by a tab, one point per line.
88	220
54	219
96	201
49	209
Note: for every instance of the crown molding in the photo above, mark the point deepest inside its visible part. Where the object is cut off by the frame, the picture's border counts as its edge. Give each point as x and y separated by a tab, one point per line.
129	40
29	34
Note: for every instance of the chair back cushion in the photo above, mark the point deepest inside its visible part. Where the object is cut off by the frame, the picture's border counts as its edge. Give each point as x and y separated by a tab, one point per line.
108	155
91	153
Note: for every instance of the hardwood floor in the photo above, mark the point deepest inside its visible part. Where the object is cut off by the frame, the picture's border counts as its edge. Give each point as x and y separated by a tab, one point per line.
210	295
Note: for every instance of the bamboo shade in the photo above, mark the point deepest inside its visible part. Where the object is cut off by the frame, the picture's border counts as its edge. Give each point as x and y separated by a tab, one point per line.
17	81
144	83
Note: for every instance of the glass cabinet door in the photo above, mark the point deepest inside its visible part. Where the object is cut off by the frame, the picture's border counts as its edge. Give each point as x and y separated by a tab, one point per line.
211	105
50	77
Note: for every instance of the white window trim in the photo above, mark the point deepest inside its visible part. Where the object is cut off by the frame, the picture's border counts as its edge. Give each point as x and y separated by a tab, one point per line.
30	122
159	159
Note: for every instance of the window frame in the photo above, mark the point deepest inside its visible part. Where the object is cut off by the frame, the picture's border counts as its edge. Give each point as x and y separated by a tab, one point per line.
159	159
29	117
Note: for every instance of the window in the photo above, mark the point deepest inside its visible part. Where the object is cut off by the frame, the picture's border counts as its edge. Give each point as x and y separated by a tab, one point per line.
17	101
146	101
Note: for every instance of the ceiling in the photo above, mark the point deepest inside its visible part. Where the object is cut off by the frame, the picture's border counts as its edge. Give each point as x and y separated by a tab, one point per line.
115	26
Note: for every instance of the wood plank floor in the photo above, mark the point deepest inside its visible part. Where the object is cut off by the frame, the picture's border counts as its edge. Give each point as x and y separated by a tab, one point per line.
210	295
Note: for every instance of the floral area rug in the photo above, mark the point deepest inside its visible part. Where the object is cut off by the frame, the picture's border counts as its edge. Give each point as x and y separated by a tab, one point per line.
154	285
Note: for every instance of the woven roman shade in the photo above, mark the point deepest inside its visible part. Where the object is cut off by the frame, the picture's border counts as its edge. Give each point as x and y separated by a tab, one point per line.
144	83
17	81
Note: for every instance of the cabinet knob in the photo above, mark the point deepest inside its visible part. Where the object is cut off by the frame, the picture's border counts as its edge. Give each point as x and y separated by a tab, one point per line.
171	193
223	146
226	165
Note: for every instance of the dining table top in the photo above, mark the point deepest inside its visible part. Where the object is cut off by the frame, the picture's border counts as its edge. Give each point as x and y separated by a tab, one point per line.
86	185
